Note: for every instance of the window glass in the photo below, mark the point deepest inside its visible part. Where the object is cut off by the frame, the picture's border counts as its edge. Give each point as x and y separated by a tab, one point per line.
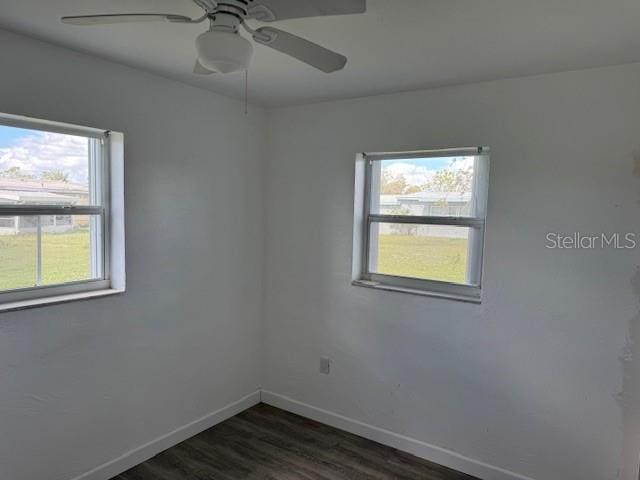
424	187
52	214
18	257
424	220
67	249
43	168
429	252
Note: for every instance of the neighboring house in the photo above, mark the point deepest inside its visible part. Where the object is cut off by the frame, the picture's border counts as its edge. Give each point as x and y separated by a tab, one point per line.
32	192
427	204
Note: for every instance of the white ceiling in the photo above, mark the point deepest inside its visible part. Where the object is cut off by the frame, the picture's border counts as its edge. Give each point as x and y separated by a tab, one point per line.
397	45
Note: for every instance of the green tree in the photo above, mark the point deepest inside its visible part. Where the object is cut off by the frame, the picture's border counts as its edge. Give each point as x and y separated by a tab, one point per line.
55	176
15	172
451	180
412	189
391	184
396	184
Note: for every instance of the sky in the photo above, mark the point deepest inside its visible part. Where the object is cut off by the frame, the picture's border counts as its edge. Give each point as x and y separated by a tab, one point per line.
419	171
35	152
8	135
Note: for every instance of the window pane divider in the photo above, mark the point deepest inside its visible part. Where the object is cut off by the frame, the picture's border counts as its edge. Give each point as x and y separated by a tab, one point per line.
471	222
32	210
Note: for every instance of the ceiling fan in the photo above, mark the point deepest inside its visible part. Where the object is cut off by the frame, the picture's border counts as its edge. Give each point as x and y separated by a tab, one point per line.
223	50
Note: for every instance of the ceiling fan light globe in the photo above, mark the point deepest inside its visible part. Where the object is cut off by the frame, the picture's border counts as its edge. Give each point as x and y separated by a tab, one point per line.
224	52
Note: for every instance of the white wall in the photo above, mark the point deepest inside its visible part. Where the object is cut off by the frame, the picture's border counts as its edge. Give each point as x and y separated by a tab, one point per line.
540	379
82	383
531	380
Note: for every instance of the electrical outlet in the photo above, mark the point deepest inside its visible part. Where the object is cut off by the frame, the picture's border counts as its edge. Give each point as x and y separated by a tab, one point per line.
325	365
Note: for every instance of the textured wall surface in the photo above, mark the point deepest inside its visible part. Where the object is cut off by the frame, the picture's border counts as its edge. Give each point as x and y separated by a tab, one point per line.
541	379
530	380
85	382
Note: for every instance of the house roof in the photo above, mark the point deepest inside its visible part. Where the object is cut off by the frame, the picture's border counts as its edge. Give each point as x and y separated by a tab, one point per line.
33	185
30	197
30	191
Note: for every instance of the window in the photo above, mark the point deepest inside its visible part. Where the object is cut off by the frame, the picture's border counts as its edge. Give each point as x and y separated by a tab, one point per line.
55	210
420	221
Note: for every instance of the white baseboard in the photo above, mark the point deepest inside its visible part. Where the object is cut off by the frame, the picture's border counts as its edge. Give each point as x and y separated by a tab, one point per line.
418	448
421	449
144	452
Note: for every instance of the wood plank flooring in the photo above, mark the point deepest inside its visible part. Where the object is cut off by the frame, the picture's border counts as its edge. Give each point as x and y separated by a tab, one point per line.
265	443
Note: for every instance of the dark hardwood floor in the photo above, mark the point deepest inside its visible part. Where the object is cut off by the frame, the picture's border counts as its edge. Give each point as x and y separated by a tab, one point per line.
265	443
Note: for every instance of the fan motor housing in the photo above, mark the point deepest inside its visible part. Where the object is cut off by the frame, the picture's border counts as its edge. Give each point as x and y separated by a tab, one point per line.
238	8
229	15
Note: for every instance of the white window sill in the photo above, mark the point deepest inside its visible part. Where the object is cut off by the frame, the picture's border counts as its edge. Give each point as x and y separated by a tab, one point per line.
412	291
57	299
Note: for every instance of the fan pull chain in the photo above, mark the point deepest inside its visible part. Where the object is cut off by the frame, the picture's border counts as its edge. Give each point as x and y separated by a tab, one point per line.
246	92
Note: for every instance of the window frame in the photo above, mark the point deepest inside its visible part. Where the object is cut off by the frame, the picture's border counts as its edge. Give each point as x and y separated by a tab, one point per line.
100	178
363	276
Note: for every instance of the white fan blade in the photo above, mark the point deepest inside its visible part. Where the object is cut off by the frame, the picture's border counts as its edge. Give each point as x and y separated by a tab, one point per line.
271	10
304	50
199	69
123	18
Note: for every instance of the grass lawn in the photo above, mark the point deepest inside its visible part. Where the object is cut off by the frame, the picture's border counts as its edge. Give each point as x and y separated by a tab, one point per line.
433	258
65	258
